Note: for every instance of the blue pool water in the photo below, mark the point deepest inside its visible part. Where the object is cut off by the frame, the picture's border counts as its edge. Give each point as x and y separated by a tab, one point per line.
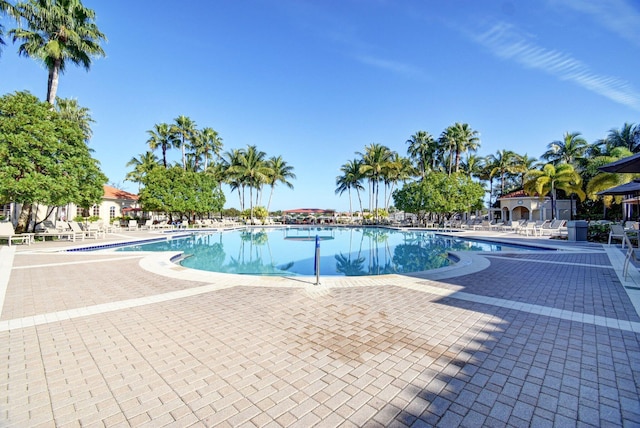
291	251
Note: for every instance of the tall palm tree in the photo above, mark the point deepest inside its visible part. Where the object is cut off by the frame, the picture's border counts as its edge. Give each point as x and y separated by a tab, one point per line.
422	148
351	178
57	32
142	165
375	162
523	164
465	139
70	109
160	136
474	166
211	144
280	172
230	165
252	170
628	137
8	9
503	163
605	180
183	131
399	169
571	149
552	178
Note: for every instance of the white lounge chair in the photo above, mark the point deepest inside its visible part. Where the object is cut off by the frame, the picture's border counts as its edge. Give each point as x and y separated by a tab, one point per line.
133	225
9	233
90	233
616	231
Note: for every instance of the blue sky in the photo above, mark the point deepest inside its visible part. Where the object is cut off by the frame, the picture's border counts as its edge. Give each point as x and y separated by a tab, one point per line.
317	81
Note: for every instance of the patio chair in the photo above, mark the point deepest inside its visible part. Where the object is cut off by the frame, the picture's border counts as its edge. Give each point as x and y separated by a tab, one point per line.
632	253
133	225
616	231
90	233
147	225
9	233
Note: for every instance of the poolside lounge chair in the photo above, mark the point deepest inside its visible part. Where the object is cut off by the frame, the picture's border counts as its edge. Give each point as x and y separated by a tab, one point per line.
59	233
632	253
553	228
147	225
89	233
616	231
133	225
9	233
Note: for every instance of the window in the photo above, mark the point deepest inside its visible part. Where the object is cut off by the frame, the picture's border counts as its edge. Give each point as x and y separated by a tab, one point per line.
96	211
112	213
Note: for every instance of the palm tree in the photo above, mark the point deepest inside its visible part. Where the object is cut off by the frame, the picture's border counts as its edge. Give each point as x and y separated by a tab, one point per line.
252	170
503	163
474	166
523	164
552	178
160	136
280	173
211	145
422	148
628	137
58	31
375	162
70	109
605	180
183	131
6	8
465	139
351	178
399	169
229	165
142	165
571	149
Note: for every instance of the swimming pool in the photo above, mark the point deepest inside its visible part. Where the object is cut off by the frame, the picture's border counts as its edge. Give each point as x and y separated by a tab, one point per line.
290	251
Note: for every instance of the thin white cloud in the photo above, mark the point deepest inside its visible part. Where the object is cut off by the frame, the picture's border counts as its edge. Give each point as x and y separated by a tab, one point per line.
618	16
507	42
393	66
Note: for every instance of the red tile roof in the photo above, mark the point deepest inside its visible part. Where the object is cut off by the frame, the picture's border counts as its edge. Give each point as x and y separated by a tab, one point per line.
113	193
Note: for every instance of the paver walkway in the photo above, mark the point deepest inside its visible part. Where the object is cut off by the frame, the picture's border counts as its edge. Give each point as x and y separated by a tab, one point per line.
533	339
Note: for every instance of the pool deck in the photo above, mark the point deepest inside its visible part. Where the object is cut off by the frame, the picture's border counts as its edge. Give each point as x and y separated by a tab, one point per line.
537	338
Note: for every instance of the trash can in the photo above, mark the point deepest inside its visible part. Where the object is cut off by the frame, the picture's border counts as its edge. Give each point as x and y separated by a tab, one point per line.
577	230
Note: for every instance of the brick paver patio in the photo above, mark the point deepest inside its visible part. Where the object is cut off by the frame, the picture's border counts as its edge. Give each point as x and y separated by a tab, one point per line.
534	339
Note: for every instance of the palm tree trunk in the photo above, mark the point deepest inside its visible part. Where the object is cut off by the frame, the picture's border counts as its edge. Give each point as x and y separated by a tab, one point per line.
52	83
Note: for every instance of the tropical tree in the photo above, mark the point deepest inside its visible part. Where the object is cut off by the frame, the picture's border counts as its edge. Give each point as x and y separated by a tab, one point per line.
160	136
45	159
552	178
252	171
229	171
375	162
571	149
5	8
628	136
351	178
182	132
422	149
503	163
523	164
280	172
605	180
211	144
142	166
58	32
69	109
465	139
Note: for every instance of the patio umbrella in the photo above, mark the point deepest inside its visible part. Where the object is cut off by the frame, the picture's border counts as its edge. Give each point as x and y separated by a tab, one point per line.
629	188
629	164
